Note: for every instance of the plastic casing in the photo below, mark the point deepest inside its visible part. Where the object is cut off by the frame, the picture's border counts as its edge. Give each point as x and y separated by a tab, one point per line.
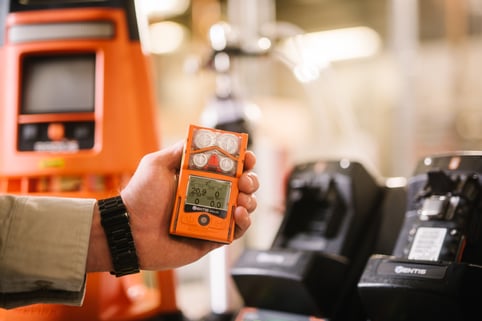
124	115
218	229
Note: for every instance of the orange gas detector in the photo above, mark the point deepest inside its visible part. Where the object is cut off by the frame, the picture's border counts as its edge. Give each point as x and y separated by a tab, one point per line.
208	184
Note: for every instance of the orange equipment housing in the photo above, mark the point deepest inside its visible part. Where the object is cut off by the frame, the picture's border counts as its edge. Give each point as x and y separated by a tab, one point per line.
77	113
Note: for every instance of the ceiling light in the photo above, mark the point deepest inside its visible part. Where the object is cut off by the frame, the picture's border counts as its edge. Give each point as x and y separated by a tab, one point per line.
162	8
306	54
166	37
332	45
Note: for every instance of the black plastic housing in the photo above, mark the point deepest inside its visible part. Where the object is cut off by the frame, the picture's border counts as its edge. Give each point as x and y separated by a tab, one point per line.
434	271
328	232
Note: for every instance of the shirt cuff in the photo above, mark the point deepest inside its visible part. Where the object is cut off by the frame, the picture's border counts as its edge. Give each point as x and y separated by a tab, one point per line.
44	253
19	299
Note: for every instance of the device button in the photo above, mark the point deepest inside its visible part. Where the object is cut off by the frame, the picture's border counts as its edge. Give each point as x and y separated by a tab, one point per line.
56	131
229	143
203	220
200	160
226	164
204	138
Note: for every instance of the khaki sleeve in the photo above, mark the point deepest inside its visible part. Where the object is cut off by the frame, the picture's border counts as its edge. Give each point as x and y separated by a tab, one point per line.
43	249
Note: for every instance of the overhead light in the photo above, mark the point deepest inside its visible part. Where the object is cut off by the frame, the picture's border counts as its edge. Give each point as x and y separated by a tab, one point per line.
393	182
344	44
315	50
306	72
162	8
166	37
219	34
334	45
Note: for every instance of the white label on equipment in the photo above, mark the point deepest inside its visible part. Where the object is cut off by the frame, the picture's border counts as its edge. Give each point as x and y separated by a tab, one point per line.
427	243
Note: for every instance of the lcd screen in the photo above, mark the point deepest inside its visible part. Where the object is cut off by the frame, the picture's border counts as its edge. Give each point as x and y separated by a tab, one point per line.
211	193
58	84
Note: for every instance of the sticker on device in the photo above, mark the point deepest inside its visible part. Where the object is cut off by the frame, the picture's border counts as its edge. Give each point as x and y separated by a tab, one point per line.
427	243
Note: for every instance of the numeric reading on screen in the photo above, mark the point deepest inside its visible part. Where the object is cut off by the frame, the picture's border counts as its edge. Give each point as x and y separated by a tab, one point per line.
208	192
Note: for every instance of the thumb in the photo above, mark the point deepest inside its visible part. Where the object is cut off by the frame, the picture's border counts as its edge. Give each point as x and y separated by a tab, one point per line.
171	156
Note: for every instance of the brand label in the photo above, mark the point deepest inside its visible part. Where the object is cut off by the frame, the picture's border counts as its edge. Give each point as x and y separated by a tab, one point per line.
405	269
281	259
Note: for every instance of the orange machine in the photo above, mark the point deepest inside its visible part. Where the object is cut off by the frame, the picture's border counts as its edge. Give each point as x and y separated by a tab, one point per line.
76	115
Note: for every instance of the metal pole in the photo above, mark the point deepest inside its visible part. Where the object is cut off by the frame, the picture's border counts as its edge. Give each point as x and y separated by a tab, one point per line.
404	28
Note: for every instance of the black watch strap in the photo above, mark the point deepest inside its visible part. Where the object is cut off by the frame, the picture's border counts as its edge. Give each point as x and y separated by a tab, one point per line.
115	221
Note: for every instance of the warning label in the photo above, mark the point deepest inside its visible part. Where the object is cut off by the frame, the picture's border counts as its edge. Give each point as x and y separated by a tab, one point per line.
427	243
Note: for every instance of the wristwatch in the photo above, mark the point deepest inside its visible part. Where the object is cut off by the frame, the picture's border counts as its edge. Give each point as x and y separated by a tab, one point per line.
115	221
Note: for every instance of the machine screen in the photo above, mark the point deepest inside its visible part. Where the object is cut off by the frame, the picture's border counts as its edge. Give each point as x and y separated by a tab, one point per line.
58	84
208	192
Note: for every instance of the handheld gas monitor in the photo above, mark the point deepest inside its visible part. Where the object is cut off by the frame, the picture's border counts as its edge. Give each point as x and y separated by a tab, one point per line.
208	184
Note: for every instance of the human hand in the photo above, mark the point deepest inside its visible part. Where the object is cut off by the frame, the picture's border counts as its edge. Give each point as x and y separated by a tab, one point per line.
149	198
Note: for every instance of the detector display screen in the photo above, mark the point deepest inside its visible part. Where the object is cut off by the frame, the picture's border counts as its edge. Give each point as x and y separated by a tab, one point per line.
58	84
208	195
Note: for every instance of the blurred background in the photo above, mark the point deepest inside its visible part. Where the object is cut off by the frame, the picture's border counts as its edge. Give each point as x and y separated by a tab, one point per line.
383	82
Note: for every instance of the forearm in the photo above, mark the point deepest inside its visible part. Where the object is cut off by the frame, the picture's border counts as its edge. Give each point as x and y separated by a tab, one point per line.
98	257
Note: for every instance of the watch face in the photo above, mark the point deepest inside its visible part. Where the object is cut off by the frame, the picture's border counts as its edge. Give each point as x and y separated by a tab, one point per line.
208	193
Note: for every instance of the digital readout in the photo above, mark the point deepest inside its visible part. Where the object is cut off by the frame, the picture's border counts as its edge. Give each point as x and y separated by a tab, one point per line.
208	192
